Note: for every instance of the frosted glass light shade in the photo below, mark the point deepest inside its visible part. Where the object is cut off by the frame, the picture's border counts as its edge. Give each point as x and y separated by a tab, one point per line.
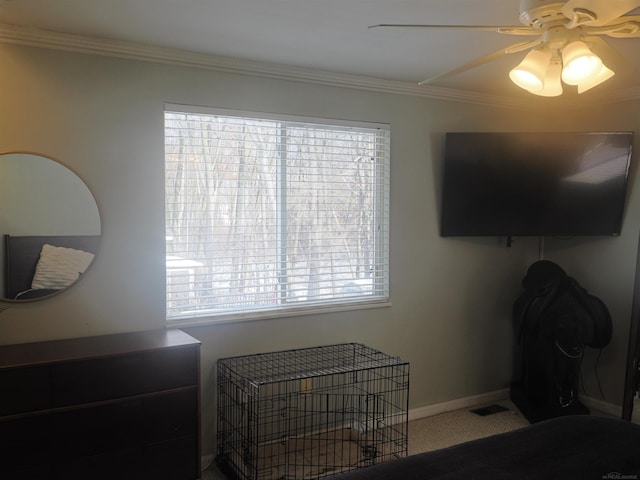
604	74
580	63
530	73
552	84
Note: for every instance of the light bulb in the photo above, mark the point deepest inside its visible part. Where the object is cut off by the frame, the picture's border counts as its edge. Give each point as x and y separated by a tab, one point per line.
580	63
529	74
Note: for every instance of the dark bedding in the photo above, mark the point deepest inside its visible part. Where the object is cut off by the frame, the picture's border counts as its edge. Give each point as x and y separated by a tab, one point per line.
578	447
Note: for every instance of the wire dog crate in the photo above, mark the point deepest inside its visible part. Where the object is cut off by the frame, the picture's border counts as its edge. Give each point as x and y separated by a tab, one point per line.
312	412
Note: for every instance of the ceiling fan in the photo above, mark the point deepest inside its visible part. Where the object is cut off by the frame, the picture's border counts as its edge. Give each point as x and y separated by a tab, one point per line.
560	53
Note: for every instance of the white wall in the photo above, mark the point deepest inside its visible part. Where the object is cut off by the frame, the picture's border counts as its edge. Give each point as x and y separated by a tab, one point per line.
452	298
606	266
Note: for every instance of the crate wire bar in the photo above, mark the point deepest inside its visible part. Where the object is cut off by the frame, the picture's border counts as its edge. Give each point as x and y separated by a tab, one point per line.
310	413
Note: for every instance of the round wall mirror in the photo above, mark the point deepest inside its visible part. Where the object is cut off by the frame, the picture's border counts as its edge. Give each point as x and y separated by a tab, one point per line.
50	227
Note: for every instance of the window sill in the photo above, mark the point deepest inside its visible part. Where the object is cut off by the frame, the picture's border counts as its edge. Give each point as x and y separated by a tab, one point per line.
256	316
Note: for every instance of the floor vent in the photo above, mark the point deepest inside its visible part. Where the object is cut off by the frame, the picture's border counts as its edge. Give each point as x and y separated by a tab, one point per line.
489	410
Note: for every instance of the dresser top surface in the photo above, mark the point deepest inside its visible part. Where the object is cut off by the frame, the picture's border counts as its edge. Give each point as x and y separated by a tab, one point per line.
87	347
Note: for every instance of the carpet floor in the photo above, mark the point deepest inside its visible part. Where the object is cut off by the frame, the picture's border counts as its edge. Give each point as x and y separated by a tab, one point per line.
451	428
446	429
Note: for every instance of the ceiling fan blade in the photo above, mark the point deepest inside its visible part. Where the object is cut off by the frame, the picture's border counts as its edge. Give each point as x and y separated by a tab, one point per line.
515	48
605	10
505	29
609	55
623	27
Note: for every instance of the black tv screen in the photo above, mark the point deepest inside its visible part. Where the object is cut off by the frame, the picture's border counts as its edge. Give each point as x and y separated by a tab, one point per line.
513	184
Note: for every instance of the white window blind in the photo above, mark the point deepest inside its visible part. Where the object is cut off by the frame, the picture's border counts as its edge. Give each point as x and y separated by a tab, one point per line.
270	214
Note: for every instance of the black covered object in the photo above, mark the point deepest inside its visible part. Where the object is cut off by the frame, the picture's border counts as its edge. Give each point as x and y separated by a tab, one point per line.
554	319
568	448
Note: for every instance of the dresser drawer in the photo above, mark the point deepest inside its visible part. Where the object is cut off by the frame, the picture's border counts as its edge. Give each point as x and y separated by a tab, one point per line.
126	375
25	389
25	443
170	416
171	460
89	431
30	473
125	424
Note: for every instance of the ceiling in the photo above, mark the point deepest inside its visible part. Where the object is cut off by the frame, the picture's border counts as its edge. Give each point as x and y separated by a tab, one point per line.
328	35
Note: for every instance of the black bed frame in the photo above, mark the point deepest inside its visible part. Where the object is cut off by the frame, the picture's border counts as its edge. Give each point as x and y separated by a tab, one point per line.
573	447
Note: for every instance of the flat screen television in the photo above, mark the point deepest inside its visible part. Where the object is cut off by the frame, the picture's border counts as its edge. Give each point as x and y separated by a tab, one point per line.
539	184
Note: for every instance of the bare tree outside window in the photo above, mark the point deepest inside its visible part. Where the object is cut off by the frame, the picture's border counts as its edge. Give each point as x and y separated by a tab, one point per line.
266	214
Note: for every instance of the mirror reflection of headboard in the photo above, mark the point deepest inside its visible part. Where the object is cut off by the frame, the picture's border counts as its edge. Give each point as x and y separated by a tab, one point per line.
41	196
23	252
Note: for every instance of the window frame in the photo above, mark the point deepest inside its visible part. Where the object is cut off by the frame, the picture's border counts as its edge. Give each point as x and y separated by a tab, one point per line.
381	213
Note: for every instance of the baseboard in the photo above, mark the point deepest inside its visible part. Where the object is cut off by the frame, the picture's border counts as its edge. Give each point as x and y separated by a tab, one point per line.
206	461
598	405
457	404
601	406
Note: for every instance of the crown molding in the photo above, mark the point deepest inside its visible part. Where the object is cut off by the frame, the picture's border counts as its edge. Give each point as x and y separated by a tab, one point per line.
17	35
31	37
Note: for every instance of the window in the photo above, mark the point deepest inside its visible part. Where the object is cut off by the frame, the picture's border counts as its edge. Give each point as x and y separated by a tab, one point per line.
267	215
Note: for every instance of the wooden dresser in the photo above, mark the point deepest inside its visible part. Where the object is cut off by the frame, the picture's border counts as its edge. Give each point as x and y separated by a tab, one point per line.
123	406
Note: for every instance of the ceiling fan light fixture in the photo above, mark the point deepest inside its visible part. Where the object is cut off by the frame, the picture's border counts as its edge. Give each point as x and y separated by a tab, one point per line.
580	63
530	73
552	81
602	76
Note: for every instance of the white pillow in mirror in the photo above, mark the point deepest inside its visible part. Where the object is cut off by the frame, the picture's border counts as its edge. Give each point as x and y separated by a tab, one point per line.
59	267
